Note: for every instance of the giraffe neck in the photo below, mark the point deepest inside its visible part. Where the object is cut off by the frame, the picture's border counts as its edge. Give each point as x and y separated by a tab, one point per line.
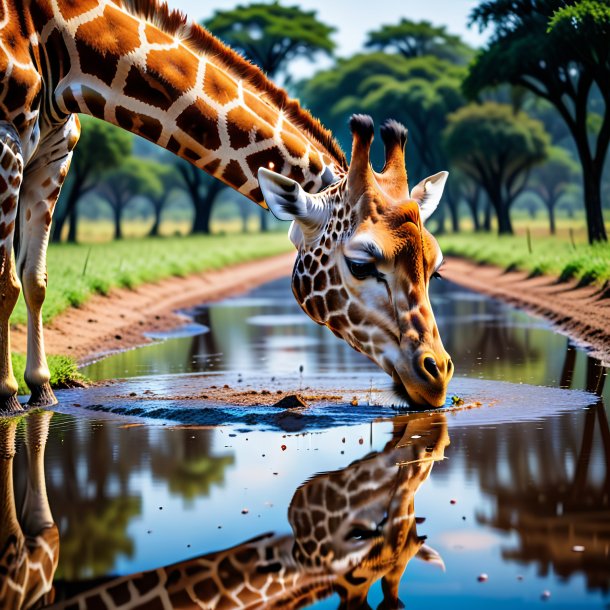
177	86
260	573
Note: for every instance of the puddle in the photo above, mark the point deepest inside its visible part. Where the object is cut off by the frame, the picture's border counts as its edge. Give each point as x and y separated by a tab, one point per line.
221	502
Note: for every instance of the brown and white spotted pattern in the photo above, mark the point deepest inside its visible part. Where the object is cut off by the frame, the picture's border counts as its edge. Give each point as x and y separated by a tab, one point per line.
173	90
11	175
142	67
29	545
145	69
365	260
350	528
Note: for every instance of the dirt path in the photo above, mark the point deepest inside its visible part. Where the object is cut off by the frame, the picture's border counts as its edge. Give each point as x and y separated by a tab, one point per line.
578	312
119	321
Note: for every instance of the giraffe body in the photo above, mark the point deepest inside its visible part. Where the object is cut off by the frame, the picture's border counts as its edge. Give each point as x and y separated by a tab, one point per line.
136	64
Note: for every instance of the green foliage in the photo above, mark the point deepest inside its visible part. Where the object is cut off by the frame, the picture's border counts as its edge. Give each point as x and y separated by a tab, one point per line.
271	35
585	263
101	146
130	263
418	92
132	178
419	38
64	372
560	52
496	147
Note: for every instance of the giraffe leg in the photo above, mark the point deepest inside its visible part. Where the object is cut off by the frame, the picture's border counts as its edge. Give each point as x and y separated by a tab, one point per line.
43	181
35	511
11	174
9	525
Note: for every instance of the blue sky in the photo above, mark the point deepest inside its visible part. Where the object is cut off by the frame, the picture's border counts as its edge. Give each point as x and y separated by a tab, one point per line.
353	18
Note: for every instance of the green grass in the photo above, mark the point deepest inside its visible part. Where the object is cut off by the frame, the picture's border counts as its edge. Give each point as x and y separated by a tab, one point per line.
549	256
78	271
64	372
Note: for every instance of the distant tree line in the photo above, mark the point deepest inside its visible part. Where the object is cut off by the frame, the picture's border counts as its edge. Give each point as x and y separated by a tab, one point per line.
524	119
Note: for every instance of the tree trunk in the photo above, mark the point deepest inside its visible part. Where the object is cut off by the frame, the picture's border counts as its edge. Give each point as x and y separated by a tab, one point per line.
593	207
73	224
203	211
505	226
550	204
455	216
264	220
154	230
487	219
118	212
592	177
71	201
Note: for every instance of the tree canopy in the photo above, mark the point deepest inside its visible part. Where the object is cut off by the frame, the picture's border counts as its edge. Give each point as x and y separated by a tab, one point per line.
417	39
133	178
496	148
272	35
101	147
560	52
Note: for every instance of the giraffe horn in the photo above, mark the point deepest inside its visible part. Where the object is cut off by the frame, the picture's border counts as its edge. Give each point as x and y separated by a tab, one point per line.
360	172
394	137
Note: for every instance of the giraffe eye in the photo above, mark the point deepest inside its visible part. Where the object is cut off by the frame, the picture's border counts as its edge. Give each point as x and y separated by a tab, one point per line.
361	533
361	270
437	275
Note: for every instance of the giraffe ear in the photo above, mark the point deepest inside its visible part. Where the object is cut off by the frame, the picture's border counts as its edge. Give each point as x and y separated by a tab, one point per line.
288	201
429	555
428	194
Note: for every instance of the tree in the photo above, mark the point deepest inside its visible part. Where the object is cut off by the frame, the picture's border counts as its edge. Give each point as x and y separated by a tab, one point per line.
419	38
271	36
496	148
418	92
135	177
559	50
168	181
202	190
551	179
101	147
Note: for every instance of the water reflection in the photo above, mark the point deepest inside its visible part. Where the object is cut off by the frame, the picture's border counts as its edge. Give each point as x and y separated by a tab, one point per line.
266	332
350	528
557	498
29	545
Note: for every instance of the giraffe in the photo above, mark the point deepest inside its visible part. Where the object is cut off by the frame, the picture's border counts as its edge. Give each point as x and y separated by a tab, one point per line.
350	528
29	546
145	68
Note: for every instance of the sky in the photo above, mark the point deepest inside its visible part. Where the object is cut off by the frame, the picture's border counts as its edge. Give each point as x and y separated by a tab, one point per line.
354	18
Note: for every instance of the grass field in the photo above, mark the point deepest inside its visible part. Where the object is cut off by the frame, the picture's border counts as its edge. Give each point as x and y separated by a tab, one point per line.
557	256
78	271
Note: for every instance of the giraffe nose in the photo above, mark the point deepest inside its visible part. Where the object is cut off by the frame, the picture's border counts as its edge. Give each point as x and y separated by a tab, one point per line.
433	369
430	366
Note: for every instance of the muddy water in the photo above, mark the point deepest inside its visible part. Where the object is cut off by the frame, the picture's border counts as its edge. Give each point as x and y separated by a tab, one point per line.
505	504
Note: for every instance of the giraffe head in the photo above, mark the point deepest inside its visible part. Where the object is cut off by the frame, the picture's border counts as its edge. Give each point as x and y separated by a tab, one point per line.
359	524
365	260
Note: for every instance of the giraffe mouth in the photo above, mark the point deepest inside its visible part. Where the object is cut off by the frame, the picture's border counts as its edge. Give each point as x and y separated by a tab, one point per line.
415	399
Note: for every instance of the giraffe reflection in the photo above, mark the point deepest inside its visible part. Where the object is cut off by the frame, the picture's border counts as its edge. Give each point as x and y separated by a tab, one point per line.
29	545
350	528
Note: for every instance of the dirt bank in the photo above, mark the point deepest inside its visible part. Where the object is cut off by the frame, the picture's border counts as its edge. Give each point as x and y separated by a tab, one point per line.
119	321
580	313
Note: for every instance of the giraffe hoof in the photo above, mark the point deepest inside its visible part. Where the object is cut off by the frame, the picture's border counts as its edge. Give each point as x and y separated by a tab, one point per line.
42	396
10	405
